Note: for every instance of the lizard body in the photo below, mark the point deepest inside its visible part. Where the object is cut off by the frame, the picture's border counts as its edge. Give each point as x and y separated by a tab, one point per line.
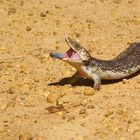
125	64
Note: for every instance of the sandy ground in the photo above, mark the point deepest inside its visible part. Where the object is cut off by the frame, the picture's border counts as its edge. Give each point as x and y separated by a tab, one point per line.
30	108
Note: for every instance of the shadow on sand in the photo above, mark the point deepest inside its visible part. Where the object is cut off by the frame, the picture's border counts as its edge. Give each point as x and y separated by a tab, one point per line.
88	82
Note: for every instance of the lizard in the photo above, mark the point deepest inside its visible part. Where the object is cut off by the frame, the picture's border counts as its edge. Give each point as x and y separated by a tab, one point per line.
123	65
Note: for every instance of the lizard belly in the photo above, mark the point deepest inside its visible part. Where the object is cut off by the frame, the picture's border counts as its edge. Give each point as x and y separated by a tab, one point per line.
107	74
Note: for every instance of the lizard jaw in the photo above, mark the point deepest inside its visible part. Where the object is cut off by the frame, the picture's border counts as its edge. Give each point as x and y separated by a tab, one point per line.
70	55
75	54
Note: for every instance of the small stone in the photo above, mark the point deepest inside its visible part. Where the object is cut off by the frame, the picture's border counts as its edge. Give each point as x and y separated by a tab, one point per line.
56	6
54	33
3	105
136	115
82	111
54	109
89	92
12	91
125	81
35	121
12	103
21	2
91	106
122	111
133	128
47	12
3	49
42	14
129	121
69	117
83	124
30	14
11	11
53	97
26	136
130	1
137	86
117	1
29	102
77	35
84	103
60	113
109	113
28	28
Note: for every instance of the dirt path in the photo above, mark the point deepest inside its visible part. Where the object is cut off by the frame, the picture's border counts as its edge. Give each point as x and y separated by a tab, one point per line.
30	108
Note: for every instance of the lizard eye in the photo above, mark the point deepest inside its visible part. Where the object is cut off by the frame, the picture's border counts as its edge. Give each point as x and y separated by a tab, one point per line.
86	62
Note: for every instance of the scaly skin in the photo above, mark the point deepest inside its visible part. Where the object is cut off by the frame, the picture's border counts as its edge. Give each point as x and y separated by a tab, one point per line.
125	64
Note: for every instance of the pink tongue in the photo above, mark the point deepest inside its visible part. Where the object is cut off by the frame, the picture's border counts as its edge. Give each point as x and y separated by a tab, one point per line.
74	55
70	54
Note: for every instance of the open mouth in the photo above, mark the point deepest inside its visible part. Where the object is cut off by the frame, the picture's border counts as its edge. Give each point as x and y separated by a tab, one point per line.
70	54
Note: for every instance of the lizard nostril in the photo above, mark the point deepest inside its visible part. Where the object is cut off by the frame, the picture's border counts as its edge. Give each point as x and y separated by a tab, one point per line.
51	54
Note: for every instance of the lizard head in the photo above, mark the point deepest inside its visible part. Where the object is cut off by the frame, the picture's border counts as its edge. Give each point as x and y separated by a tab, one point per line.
76	54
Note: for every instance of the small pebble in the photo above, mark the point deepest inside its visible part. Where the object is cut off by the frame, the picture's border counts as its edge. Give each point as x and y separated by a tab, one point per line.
130	1
69	117
125	81
89	92
28	28
133	128
54	109
42	14
138	87
26	136
54	33
12	91
12	103
91	106
122	111
29	102
21	2
11	11
61	114
83	124
84	103
77	35
109	113
53	97
30	14
47	12
82	111
3	105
